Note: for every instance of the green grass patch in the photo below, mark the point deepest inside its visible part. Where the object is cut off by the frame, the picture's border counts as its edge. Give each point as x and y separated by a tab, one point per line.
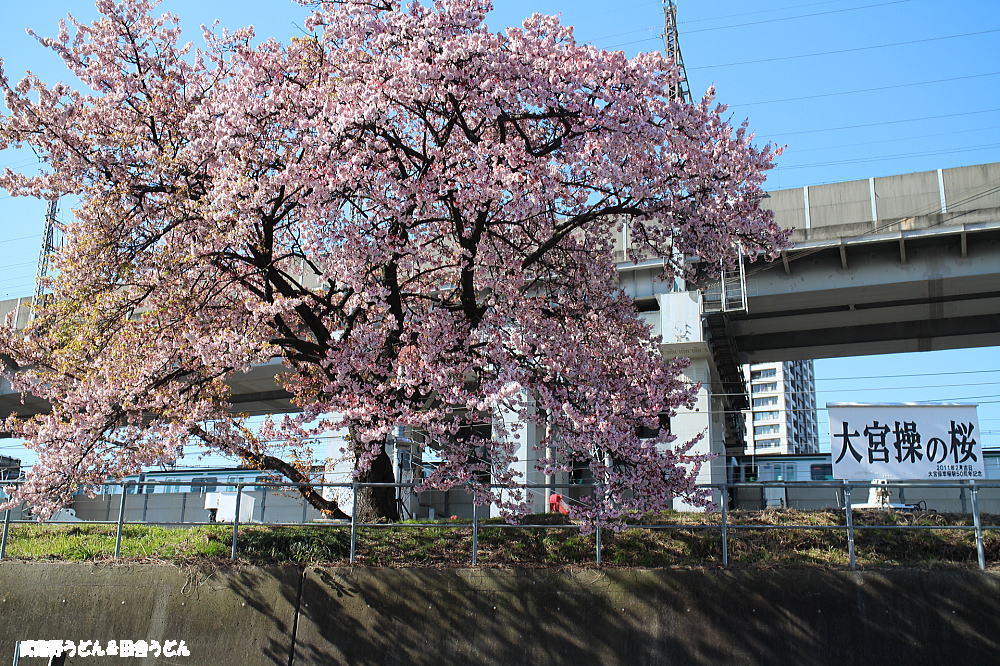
695	541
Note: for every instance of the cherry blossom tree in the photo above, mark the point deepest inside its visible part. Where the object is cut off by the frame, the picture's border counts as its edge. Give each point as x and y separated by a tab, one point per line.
416	215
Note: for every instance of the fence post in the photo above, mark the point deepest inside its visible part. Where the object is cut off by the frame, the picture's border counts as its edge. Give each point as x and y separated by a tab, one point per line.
354	519
850	524
121	522
236	519
725	525
977	522
6	530
475	532
597	544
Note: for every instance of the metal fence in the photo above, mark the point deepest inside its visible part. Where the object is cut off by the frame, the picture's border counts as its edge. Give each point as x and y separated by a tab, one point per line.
722	491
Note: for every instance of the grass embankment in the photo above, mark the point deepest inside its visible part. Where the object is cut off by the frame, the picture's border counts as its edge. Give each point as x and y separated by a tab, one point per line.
694	545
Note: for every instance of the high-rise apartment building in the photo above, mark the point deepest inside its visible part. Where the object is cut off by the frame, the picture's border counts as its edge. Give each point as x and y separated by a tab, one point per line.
782	417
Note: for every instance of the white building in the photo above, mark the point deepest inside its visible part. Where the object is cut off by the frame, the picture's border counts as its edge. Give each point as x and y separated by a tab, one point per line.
782	416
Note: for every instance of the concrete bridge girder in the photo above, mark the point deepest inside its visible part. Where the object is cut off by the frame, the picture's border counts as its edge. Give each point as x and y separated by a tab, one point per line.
920	290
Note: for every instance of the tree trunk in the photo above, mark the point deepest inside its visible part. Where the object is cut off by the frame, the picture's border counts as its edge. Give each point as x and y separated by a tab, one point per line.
377	505
313	495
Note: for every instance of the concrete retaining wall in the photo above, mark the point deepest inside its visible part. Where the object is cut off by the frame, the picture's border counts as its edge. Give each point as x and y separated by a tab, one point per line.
289	615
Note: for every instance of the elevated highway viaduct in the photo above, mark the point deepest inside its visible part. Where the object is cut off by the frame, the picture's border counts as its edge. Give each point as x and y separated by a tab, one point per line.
886	265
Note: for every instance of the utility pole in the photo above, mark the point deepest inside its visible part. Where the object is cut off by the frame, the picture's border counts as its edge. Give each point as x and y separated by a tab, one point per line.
680	90
49	245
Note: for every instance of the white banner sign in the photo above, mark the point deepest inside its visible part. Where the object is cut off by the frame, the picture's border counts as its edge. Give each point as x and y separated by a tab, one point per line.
905	442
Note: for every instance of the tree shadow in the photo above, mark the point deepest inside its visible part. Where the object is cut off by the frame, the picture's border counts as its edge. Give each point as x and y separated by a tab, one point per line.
630	616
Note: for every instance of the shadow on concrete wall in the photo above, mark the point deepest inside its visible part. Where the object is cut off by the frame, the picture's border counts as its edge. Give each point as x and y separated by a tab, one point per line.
424	616
244	615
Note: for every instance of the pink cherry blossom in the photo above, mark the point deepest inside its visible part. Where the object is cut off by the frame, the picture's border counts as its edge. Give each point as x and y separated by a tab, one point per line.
415	214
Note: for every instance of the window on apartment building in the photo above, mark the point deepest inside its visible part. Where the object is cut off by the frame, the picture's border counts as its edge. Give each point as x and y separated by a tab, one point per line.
765	402
764	388
771	429
821	472
763	374
765	416
768	443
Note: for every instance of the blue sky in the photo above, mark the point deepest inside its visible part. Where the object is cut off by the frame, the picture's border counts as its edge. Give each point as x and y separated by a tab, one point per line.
895	86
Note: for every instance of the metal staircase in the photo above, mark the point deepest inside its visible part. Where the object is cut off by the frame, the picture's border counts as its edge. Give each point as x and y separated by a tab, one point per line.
720	298
728	293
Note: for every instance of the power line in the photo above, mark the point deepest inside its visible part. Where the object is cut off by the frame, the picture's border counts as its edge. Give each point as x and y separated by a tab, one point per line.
702	20
759	11
629	32
850	50
867	388
963	397
864	90
734	15
798	16
895	139
647	28
10	289
772	20
13	278
886	158
18	288
885	122
20	265
20	238
824	409
916	374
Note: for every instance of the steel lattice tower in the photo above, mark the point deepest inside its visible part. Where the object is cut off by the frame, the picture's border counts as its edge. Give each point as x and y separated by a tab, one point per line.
679	91
50	235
